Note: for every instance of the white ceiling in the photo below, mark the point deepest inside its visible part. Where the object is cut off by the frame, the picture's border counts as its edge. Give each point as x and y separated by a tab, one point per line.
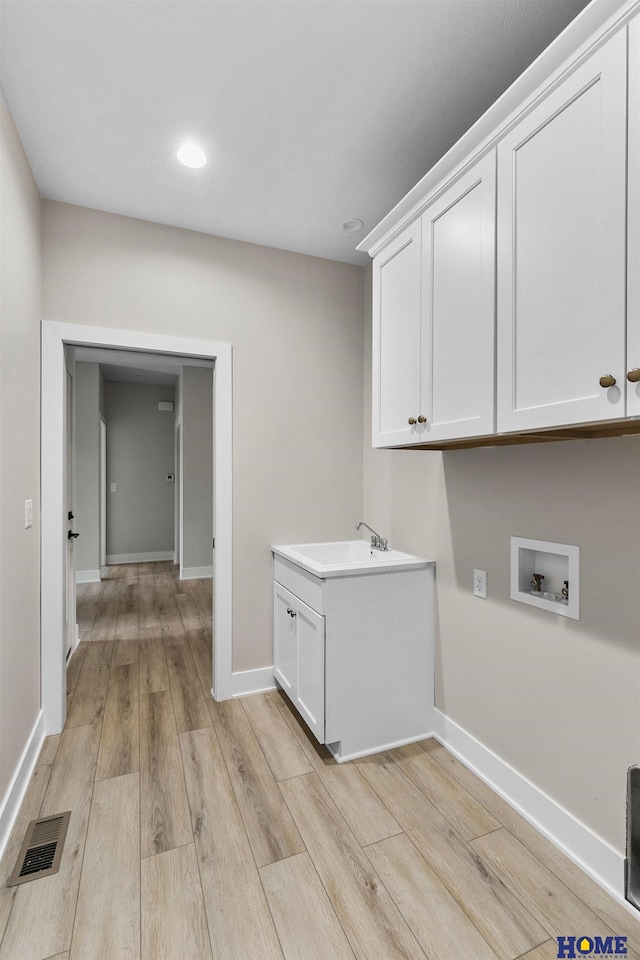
313	112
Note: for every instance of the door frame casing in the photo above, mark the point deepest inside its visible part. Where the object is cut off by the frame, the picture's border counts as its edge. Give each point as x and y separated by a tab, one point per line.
55	336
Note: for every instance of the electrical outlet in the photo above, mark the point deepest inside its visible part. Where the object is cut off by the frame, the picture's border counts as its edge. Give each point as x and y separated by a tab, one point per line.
480	584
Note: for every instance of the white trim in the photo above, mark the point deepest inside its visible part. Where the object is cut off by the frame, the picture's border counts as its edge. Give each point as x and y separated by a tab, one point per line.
54	337
196	573
20	781
252	681
589	851
339	758
87	576
139	557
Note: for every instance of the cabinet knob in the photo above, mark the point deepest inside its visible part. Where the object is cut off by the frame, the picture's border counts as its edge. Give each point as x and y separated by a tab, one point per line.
422	419
634	375
411	421
607	381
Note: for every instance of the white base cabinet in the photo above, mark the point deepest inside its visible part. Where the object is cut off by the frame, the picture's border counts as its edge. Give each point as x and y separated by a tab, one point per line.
354	655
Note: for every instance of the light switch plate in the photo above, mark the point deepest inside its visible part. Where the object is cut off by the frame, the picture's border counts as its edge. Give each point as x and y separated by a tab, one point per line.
28	514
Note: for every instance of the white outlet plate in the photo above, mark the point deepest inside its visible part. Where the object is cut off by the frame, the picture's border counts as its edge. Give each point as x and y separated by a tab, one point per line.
480	584
28	514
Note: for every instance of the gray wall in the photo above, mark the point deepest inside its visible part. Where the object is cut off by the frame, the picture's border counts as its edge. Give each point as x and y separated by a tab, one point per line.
20	309
557	699
295	323
196	414
87	454
140	451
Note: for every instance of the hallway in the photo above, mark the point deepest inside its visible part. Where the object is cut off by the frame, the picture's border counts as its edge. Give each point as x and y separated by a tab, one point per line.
222	830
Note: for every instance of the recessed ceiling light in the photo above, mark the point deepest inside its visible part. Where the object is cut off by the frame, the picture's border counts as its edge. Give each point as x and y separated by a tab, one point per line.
191	155
352	226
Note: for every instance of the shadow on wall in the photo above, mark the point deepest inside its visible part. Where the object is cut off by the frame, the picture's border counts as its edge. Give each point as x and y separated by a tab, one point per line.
584	492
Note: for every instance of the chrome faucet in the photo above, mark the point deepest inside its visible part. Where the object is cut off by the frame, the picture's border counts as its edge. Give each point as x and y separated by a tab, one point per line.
376	540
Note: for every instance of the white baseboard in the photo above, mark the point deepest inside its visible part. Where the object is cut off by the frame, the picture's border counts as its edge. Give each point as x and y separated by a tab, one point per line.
20	781
244	682
139	557
589	851
196	573
87	576
104	572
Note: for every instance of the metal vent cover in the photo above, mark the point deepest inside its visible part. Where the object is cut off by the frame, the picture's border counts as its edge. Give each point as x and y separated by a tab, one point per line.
41	849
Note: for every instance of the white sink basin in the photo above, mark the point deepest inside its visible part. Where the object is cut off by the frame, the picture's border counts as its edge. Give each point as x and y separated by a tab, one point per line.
347	557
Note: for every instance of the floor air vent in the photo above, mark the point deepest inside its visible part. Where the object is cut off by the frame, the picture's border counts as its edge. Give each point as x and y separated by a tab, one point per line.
41	849
632	863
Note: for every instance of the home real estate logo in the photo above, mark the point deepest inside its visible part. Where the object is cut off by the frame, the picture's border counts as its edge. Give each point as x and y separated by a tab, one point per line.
571	947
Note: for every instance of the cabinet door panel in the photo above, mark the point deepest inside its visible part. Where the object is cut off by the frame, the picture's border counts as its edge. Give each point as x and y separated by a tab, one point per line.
396	339
458	243
285	641
561	252
311	672
633	250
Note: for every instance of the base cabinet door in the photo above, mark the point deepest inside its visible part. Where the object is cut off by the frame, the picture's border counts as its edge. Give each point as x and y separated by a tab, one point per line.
311	674
561	252
285	640
298	656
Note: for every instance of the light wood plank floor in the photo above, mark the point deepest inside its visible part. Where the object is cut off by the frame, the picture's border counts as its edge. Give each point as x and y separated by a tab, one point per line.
204	831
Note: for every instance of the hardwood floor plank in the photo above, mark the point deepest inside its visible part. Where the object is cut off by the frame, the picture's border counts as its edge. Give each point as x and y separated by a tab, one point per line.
368	915
505	924
126	626
366	815
60	956
284	754
240	924
174	923
119	744
41	920
546	951
305	920
188	700
553	904
593	895
152	661
463	811
87	705
125	651
272	833
104	628
74	666
29	810
438	922
148	612
189	613
110	875
171	621
201	649
49	750
165	820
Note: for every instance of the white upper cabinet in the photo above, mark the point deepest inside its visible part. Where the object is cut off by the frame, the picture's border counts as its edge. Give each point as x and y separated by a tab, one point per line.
458	307
561	252
633	240
396	344
434	319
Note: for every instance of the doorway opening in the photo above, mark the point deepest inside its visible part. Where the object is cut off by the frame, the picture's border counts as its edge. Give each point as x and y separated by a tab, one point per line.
56	338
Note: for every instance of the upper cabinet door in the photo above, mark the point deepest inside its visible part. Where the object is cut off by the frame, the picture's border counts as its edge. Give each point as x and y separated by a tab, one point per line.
561	252
396	340
458	298
633	241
